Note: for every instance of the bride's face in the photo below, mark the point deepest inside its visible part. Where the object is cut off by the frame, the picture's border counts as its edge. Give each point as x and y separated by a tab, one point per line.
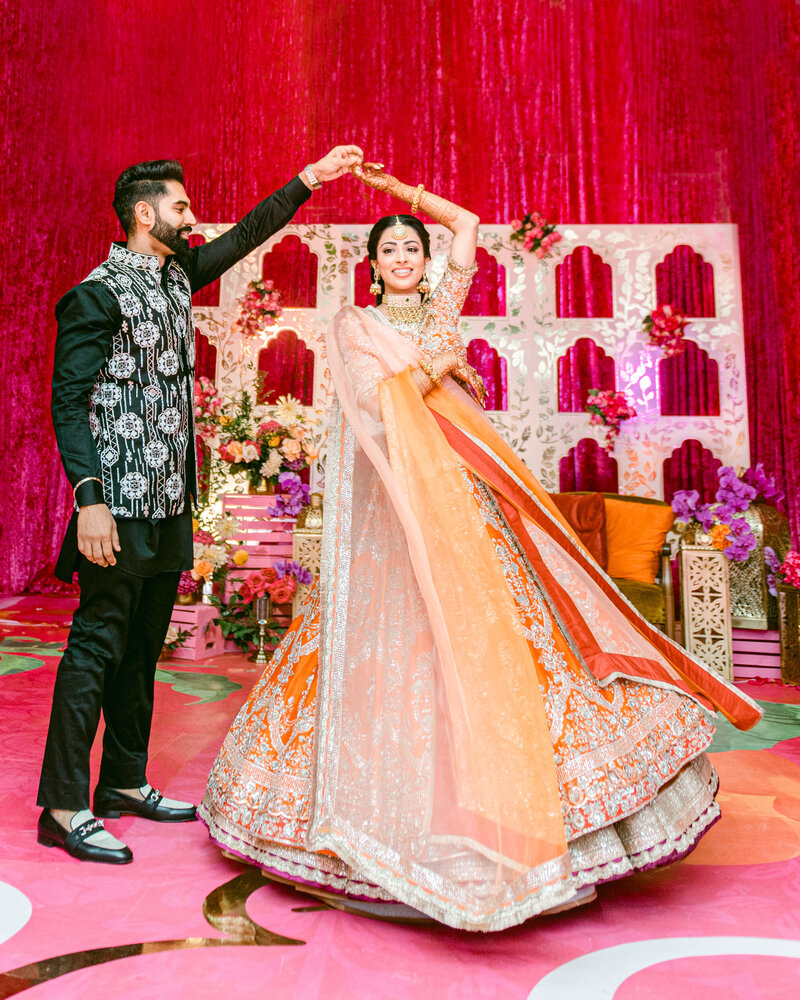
401	263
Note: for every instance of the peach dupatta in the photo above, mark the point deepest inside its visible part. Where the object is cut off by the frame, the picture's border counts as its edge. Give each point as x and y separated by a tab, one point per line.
435	773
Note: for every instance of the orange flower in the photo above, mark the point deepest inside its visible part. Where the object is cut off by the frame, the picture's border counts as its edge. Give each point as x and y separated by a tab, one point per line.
202	569
291	449
235	449
719	536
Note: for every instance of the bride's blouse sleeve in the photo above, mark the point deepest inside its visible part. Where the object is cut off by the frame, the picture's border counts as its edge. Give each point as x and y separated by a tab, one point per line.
447	301
363	369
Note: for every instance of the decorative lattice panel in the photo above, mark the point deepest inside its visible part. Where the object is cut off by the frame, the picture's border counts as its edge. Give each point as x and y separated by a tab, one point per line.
706	607
531	338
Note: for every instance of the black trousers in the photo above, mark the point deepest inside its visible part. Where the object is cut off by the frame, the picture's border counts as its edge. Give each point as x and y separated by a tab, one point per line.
109	665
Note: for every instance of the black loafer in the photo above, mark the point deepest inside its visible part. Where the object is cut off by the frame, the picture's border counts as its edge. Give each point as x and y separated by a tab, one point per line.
53	834
110	803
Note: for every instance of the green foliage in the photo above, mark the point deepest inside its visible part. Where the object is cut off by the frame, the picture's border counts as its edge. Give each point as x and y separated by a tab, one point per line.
237	622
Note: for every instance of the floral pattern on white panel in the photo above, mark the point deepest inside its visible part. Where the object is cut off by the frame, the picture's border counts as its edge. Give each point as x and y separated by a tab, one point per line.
156	300
129	305
133	485
169	420
129	425
121	365
174	486
167	363
155	453
146	334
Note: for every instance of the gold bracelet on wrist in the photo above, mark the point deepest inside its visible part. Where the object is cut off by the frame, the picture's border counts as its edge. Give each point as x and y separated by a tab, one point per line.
431	372
416	199
87	479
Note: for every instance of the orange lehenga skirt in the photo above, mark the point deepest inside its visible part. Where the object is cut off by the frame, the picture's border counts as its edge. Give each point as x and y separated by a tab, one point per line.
520	735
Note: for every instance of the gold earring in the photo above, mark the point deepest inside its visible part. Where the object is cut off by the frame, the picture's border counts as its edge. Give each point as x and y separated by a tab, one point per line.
423	287
375	288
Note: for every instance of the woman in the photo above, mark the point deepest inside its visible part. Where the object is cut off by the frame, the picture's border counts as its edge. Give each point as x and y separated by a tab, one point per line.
466	716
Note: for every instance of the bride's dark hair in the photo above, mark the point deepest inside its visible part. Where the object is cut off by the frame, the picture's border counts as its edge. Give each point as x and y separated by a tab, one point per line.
386	223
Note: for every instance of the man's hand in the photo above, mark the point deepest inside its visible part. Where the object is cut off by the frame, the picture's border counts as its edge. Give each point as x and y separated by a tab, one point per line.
337	162
97	534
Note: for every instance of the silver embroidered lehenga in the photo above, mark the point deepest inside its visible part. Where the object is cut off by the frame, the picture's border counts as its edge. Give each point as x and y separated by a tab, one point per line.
466	716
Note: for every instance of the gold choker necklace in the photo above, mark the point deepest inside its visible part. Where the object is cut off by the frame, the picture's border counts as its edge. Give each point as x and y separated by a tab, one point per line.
405	310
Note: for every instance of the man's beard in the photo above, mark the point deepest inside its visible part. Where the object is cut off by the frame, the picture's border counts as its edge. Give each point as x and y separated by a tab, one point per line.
170	236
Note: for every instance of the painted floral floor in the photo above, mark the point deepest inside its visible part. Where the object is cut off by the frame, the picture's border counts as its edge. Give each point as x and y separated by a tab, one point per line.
184	922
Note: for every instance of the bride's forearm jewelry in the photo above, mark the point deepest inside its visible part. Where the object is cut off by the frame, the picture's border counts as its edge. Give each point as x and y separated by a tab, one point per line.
417	196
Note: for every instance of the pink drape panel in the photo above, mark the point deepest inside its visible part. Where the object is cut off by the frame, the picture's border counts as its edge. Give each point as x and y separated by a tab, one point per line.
587	466
582	367
288	369
487	295
583	285
293	268
691	467
493	369
688	383
685	280
205	357
650	112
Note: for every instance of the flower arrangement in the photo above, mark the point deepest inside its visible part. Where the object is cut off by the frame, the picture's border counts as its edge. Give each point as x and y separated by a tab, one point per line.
258	307
536	234
212	549
608	408
729	533
266	449
278	582
207	407
787	571
188	584
664	327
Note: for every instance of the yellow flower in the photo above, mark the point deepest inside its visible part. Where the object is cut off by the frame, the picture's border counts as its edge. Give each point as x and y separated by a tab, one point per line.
274	441
240	557
223	420
195	525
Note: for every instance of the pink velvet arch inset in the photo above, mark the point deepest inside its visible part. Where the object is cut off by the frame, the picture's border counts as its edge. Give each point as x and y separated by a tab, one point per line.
493	369
582	367
584	285
688	383
587	466
684	279
487	294
287	367
292	266
691	467
205	357
362	279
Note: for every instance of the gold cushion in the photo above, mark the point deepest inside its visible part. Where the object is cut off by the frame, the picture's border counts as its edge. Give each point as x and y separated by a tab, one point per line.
647	598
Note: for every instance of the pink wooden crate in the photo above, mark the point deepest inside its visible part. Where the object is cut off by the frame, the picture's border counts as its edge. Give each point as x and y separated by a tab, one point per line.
756	653
205	639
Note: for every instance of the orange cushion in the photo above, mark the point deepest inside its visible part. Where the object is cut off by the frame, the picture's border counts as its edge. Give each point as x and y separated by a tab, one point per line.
635	534
587	516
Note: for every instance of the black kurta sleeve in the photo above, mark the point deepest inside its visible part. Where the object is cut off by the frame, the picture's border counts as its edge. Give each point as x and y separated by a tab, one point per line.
209	261
88	316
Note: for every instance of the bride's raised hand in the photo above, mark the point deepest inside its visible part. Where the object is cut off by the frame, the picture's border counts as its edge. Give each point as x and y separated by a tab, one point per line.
371	174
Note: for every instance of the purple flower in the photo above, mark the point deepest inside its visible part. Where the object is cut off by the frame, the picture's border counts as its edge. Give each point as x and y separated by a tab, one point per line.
763	484
285	567
705	517
771	559
732	491
684	503
742	540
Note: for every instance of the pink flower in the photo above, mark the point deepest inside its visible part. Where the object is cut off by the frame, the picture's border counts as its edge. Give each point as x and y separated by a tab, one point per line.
539	252
516	224
537	233
298	432
291	449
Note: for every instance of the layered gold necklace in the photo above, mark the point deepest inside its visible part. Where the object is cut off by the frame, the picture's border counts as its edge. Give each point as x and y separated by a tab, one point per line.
405	310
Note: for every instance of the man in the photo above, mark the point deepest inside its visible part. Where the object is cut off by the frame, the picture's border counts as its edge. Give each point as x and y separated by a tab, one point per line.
123	411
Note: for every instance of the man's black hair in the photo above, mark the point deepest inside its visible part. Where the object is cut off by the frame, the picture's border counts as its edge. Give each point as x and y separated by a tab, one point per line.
143	182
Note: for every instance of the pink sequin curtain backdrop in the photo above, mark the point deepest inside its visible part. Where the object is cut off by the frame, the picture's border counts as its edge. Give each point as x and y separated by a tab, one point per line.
590	111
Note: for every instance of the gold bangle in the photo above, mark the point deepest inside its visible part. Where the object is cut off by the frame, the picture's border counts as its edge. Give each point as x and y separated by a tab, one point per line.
416	199
77	486
432	374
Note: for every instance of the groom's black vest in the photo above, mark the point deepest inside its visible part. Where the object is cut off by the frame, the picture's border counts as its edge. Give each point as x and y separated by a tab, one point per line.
141	410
